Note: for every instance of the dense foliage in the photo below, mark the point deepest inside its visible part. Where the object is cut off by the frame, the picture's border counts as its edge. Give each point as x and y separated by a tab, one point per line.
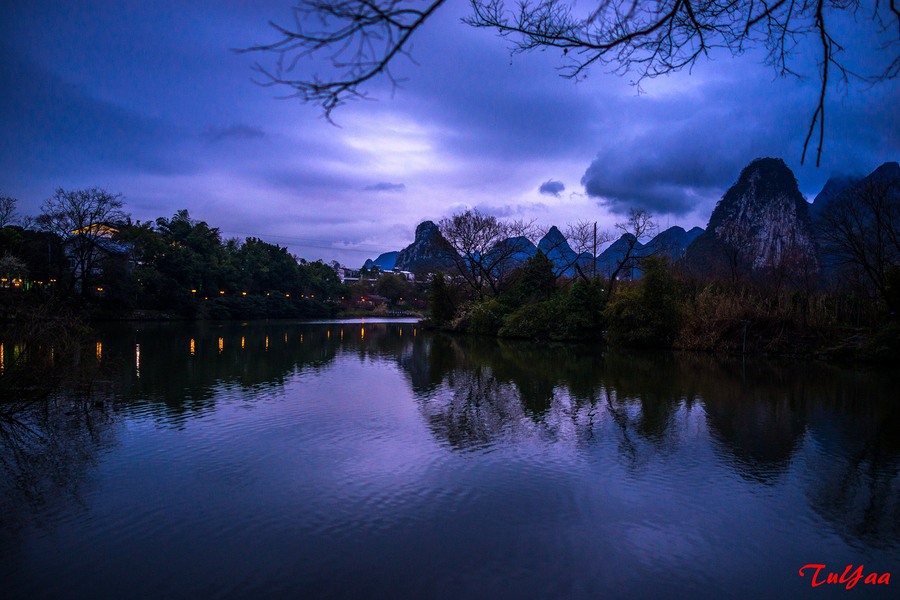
176	266
645	314
663	303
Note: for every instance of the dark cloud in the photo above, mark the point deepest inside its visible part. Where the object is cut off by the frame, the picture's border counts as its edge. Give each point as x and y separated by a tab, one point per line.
685	150
552	187
57	131
386	187
305	181
237	131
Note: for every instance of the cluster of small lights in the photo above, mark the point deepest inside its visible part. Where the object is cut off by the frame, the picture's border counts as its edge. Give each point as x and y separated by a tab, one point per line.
192	347
220	343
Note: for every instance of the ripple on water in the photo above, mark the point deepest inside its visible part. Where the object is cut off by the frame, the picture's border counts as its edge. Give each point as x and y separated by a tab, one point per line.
368	474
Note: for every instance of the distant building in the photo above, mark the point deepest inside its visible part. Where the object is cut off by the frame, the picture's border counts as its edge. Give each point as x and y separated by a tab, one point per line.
343	273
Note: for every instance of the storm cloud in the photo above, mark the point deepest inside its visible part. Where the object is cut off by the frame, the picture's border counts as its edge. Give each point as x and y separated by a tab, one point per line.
688	149
51	127
552	188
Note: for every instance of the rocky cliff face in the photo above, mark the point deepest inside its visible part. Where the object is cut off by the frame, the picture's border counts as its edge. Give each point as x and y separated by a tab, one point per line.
762	221
428	252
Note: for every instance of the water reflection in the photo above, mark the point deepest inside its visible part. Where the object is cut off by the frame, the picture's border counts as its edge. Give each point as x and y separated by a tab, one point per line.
761	418
854	459
475	392
46	451
830	432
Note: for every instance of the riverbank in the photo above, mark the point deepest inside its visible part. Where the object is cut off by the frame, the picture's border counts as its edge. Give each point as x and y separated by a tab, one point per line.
849	346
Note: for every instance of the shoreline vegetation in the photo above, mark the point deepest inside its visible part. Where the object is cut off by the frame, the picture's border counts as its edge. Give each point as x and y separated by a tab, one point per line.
83	260
669	309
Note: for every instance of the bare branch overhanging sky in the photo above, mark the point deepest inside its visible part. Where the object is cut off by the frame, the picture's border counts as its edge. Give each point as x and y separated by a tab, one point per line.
147	99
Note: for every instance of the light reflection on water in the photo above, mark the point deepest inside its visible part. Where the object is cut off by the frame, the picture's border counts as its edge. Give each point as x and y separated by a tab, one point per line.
365	460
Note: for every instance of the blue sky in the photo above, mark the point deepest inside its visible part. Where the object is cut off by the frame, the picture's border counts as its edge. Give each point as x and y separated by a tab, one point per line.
148	100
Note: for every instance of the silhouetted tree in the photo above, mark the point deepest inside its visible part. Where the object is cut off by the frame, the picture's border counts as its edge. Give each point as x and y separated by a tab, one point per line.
393	287
40	251
7	210
863	230
82	218
584	239
263	266
639	226
536	280
191	254
321	281
362	38
12	266
645	314
440	300
484	248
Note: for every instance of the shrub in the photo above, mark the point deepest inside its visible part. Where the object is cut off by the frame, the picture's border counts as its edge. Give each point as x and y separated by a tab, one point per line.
582	311
540	320
645	314
486	317
715	319
440	301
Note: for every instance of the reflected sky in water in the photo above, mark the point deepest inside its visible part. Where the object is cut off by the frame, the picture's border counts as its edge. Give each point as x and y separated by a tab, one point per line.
374	459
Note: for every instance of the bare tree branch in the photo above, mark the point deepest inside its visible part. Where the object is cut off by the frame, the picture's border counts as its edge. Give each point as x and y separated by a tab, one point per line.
485	249
7	210
584	239
361	38
863	230
639	226
664	36
80	218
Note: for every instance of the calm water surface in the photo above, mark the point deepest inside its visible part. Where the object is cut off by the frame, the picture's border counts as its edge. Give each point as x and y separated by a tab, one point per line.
373	460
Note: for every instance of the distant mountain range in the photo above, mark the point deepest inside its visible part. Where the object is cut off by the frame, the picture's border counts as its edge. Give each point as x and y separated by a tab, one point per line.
427	252
762	222
672	242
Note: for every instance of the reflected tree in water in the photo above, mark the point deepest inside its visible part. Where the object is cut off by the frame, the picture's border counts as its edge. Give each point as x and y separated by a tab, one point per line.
760	430
856	468
833	430
46	452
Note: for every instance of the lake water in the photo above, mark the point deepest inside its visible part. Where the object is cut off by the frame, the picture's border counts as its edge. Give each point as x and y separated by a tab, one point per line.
375	460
